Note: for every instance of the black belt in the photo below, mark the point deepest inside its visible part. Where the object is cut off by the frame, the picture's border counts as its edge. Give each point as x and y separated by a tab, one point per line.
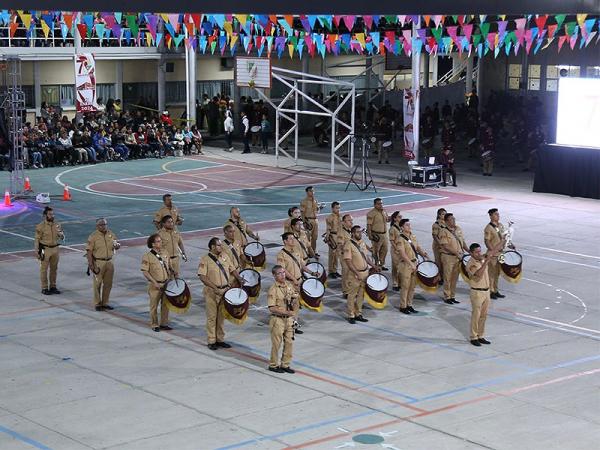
313	218
413	260
102	259
364	270
449	254
223	287
172	257
49	246
378	232
279	316
333	232
480	289
164	281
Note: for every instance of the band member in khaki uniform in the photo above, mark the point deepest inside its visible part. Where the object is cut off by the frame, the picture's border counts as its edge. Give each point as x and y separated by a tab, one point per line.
100	250
435	231
156	269
282	300
241	228
216	272
168	210
377	220
47	235
293	213
453	247
309	208
303	246
407	270
355	254
334	227
477	269
493	234
232	248
343	237
395	244
172	243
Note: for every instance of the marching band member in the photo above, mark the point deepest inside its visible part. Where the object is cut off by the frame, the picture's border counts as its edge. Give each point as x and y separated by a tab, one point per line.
394	235
293	213
309	209
156	269
100	250
435	232
242	230
302	242
232	248
494	233
343	237
47	234
168	209
216	271
172	243
408	249
453	247
334	227
377	220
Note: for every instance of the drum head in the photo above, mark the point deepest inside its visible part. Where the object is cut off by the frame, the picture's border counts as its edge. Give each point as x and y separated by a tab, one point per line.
512	258
387	144
175	287
428	269
313	288
253	249
255	128
314	267
377	282
465	259
251	277
236	296
420	259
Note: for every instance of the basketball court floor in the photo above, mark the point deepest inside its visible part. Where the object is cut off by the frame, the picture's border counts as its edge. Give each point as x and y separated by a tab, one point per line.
74	378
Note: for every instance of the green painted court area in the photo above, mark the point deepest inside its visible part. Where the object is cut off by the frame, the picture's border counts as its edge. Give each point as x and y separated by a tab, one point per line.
128	194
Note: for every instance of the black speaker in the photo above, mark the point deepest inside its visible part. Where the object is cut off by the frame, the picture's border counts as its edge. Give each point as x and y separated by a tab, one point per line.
170	67
226	63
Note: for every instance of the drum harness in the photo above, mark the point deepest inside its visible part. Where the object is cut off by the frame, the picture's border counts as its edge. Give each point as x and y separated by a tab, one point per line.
230	245
411	246
162	263
291	255
361	253
455	237
302	245
220	266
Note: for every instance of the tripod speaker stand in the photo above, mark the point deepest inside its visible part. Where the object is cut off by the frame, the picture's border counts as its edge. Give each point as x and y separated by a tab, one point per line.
364	177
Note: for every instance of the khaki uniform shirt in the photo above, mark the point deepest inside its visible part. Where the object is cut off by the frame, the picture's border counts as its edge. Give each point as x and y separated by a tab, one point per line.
473	266
101	244
302	244
287	225
493	234
358	259
164	211
408	249
282	295
241	232
288	263
334	224
377	221
157	270
234	252
211	270
309	208
344	236
47	233
395	239
435	231
454	240
170	241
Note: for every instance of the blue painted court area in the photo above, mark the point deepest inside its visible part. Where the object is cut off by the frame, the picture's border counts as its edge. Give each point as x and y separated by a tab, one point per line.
128	194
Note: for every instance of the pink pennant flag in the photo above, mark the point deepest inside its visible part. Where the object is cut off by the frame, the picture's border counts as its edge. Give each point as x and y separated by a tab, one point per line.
467	31
521	23
368	21
349	22
541	21
401	20
561	41
437	20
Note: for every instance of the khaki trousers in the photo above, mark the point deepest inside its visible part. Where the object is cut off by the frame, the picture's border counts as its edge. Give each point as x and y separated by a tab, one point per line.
480	301
50	261
356	295
488	166
395	267
214	316
451	266
102	282
345	271
437	256
380	249
332	260
494	274
408	280
313	235
174	263
281	330
156	298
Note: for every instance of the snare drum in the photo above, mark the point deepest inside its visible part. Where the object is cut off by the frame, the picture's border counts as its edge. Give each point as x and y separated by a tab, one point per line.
316	267
255	254
376	287
386	144
511	263
428	275
251	283
255	129
463	267
178	296
235	306
311	293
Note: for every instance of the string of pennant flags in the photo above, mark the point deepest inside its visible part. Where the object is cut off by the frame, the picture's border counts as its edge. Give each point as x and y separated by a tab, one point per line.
315	35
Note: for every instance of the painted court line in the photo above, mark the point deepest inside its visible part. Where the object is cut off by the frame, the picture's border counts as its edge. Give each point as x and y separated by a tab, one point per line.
564	251
22	438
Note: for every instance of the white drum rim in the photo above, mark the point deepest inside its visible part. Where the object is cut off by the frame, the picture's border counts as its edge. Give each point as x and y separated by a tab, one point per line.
428	264
242	294
387	144
179	283
380	277
317	284
319	266
249	248
255	277
510	255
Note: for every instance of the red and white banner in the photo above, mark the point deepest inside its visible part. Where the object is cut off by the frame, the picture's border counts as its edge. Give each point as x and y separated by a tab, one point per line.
408	106
85	82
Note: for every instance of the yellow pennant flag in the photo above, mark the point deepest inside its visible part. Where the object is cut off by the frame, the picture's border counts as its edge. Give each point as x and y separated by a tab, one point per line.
360	37
241	18
502	17
148	39
165	17
26	18
45	29
291	50
228	28
234	39
581	19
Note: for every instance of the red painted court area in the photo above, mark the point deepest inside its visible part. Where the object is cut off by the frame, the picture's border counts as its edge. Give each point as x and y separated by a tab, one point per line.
212	179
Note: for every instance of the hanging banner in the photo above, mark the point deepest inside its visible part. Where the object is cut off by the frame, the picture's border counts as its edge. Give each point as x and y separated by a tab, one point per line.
85	83
408	106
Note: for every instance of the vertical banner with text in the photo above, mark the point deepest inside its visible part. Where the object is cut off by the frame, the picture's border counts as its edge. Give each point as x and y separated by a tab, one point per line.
85	82
408	106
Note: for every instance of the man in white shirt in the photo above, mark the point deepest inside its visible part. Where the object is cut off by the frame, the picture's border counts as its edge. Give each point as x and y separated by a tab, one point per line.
246	125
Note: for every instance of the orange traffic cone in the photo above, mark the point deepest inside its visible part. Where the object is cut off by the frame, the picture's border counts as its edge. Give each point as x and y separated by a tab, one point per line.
66	193
7	200
27	185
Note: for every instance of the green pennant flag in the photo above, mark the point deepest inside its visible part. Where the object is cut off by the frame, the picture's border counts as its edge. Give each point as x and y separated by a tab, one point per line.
476	39
560	18
133	26
437	33
391	19
213	45
455	18
570	28
485	29
509	37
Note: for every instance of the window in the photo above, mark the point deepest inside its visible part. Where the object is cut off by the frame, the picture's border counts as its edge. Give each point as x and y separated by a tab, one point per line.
29	96
533	77
105	91
553	73
514	76
51	95
212	88
175	92
67	95
59	95
593	72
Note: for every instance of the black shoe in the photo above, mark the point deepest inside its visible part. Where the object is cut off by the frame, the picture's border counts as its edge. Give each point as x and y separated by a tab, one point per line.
223	345
361	319
99	308
345	296
46	292
332	275
298	331
449	301
476	342
499	295
441	282
338	275
385	269
107	307
317	255
493	295
213	346
288	370
484	341
405	311
246	152
396	288
166	327
156	329
272	369
351	320
412	310
454	301
455	185
53	290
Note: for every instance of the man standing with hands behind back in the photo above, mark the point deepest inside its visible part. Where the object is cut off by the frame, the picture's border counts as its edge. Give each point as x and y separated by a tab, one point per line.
47	235
377	220
100	248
